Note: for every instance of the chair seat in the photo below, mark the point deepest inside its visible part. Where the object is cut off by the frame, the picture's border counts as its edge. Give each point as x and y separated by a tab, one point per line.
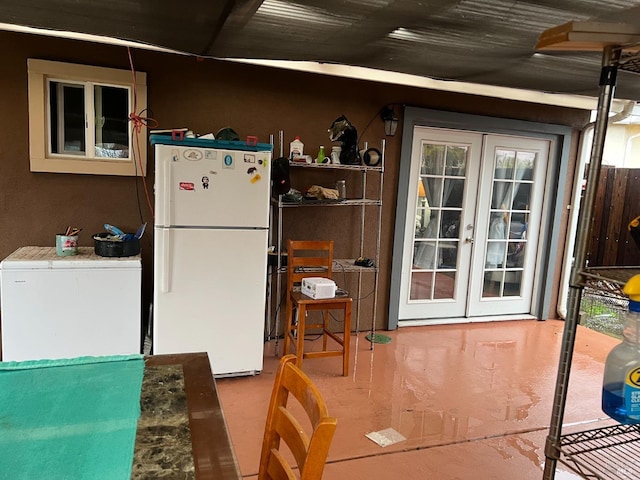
300	298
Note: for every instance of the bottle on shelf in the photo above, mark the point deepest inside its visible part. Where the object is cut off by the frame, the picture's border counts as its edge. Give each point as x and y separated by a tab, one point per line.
621	384
296	148
322	158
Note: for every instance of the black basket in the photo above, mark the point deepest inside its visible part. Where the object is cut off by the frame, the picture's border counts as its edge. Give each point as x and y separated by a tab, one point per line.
114	248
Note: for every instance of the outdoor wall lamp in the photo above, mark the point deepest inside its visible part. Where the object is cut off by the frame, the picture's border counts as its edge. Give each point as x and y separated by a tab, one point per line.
390	120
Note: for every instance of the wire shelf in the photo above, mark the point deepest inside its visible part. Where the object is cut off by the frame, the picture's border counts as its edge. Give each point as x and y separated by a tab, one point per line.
609	278
348	265
630	62
335	166
329	203
604	453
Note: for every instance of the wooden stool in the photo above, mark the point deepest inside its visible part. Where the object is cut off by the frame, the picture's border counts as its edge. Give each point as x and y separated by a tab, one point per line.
313	259
295	332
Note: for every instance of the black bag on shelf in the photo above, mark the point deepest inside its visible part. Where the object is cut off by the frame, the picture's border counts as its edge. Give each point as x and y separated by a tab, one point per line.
280	181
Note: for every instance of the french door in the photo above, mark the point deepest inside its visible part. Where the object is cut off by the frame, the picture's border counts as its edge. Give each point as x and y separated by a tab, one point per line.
472	227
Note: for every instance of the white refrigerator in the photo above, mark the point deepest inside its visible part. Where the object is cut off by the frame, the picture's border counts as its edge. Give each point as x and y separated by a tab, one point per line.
63	307
210	250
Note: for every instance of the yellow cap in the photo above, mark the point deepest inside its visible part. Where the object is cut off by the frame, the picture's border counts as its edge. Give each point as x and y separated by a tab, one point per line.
632	288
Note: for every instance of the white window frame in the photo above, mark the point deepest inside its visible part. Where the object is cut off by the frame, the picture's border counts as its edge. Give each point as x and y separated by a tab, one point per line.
41	158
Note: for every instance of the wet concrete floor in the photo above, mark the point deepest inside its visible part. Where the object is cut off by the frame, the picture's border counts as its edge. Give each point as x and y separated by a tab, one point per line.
472	401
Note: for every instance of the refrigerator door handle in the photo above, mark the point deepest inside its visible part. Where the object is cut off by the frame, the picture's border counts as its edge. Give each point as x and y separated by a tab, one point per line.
166	261
166	189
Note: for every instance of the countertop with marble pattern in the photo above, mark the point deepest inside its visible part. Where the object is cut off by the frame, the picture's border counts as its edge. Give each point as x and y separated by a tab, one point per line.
163	440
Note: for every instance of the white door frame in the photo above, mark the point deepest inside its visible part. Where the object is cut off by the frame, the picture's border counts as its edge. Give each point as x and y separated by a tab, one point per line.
550	244
480	304
453	306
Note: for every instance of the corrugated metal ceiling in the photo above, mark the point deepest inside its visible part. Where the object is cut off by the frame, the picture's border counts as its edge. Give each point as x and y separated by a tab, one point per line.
480	41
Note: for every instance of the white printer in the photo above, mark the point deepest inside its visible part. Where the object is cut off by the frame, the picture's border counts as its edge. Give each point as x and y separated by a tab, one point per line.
318	287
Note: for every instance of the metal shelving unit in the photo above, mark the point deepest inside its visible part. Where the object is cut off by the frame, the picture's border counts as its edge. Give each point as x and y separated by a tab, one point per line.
603	453
339	265
609	452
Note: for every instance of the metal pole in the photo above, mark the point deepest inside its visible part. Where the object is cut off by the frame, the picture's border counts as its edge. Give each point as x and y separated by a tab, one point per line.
279	258
610	58
377	267
269	268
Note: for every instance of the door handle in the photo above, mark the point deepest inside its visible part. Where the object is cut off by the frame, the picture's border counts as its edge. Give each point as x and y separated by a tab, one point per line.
469	227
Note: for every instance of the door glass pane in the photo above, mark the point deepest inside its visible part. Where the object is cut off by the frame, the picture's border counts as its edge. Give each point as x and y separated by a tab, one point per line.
421	285
67	118
450	224
524	165
432	185
456	160
492	286
432	159
501	193
444	286
427	221
453	192
112	121
505	161
448	255
439	204
522	197
506	243
424	255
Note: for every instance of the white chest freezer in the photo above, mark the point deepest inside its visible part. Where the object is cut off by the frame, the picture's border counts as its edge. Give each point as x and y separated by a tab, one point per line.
62	307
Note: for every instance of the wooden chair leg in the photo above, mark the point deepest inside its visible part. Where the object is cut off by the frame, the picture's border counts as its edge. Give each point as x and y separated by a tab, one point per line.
300	329
288	326
346	339
325	327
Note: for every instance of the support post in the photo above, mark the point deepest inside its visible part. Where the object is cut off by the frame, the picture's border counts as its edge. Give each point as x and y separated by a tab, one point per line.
610	59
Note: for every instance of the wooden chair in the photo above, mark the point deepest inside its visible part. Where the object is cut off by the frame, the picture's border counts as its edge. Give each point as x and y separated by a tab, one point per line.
313	259
309	451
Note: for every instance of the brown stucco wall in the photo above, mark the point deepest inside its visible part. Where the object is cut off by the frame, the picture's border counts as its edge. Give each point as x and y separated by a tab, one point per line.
206	95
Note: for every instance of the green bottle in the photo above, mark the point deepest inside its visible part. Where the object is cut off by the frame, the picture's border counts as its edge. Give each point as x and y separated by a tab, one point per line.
321	156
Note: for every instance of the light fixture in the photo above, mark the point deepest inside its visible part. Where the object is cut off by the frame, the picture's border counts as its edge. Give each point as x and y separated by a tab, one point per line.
390	120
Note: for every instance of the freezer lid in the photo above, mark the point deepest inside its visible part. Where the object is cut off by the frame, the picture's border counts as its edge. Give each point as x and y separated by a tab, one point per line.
34	258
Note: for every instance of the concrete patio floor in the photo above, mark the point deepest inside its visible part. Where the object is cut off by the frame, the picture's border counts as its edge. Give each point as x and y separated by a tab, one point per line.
473	401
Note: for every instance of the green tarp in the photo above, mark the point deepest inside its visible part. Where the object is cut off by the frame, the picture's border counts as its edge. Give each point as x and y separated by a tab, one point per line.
69	419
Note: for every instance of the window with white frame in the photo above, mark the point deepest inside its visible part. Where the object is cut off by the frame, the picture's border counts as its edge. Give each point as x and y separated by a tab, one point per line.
79	119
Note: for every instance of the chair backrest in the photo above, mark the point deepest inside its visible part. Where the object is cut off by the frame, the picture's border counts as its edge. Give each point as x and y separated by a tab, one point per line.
308	449
308	258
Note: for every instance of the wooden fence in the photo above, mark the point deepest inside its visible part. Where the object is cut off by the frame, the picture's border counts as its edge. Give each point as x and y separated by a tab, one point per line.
617	203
